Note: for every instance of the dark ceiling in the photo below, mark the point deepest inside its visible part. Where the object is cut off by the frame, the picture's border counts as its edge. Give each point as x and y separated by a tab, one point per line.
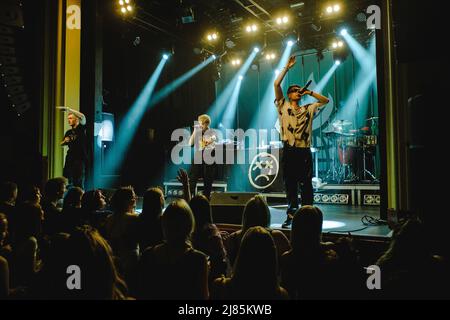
229	17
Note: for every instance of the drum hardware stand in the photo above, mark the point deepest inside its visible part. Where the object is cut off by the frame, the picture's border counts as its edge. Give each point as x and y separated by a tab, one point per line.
317	182
350	177
365	170
332	174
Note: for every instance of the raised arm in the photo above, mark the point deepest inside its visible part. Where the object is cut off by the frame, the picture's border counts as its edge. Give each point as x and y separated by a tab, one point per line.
184	179
321	100
279	79
78	114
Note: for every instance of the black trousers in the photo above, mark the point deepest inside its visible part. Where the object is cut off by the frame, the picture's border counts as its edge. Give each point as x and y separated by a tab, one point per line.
205	171
74	171
297	169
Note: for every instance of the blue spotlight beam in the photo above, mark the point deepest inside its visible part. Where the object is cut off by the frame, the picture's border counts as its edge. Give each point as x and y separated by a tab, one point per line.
171	87
216	110
364	57
239	75
268	111
322	83
130	123
364	80
230	110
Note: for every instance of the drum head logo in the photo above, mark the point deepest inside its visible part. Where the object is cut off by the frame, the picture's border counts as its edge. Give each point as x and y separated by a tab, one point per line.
263	170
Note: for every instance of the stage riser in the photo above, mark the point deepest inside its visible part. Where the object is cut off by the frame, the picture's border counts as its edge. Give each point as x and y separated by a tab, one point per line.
357	195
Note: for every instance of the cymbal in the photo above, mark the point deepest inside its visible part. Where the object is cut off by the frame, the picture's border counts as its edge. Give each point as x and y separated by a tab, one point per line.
339	133
346	134
373	118
344	123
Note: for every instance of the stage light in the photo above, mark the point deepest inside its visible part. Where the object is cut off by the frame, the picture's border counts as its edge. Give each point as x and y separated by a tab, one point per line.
333	8
337	62
290	43
251	28
337	44
256	49
165	56
123	10
121	2
270	56
241	77
212	36
130	8
127	1
236	62
214	56
282	20
344	32
277	72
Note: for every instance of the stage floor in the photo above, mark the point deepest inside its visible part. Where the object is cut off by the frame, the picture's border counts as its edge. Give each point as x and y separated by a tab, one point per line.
337	219
340	219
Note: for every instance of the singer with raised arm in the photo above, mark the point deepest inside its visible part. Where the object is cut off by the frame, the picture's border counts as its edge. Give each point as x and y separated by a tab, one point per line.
75	139
296	132
203	139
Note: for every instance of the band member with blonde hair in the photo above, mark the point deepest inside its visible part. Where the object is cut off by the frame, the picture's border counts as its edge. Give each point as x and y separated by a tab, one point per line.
203	139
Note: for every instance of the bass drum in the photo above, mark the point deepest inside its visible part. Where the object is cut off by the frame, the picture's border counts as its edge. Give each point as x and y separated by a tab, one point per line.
347	154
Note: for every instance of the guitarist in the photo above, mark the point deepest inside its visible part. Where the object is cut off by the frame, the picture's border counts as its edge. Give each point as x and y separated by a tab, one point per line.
204	140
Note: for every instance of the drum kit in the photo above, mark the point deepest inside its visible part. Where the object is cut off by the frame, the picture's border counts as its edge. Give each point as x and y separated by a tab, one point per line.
349	147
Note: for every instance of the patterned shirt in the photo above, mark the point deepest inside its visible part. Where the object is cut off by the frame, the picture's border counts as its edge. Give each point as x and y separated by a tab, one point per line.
296	123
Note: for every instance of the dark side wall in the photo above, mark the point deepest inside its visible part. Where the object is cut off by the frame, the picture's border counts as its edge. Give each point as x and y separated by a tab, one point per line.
21	47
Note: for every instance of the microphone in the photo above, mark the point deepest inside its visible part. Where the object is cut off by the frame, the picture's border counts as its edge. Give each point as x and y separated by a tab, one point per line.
306	86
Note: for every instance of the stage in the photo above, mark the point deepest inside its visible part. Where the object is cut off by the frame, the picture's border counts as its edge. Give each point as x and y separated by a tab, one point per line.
343	206
339	219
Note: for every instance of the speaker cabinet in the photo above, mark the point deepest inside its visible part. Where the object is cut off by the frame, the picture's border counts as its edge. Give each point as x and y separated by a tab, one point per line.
227	207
